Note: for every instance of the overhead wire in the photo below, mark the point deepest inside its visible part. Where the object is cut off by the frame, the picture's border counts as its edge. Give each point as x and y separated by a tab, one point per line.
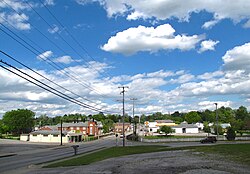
69	33
72	77
48	88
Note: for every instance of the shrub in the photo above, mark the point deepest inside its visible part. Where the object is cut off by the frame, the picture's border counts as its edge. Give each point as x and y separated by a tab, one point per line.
230	134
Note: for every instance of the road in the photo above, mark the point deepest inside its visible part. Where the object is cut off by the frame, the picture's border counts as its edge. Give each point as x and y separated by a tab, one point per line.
25	154
24	159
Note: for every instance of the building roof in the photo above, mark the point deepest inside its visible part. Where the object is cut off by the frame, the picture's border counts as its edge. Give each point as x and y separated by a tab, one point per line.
47	132
79	124
49	127
164	121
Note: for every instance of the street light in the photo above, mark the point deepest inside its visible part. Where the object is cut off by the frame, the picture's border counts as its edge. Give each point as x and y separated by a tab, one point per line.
216	104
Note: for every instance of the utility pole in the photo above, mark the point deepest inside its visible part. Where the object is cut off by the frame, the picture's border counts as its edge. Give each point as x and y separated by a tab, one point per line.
133	99
123	112
61	132
217	120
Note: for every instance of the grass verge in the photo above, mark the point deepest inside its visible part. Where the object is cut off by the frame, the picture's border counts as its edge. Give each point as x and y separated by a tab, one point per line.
108	153
236	152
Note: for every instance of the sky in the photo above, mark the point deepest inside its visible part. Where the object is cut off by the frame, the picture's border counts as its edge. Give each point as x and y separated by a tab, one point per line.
172	56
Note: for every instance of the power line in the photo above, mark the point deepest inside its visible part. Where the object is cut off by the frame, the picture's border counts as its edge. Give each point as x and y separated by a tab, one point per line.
65	28
60	34
54	64
50	89
43	76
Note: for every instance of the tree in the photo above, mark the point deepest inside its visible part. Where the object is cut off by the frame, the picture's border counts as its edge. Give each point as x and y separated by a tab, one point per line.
19	121
241	113
231	134
206	128
166	129
220	131
192	117
107	125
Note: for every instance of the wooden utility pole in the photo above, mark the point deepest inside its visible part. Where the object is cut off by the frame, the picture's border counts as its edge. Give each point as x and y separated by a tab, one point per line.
123	112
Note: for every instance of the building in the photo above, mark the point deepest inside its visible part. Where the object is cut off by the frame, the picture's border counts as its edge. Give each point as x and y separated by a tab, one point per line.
186	128
72	132
153	127
118	127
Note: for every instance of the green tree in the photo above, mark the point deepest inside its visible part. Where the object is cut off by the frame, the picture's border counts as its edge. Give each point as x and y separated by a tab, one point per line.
19	121
206	128
231	134
208	116
241	113
192	117
225	114
166	129
220	131
108	124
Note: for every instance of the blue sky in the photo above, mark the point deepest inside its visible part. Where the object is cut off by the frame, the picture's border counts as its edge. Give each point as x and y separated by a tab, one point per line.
172	56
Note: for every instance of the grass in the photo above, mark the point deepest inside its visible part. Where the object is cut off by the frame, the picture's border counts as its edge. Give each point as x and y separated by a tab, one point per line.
108	153
235	152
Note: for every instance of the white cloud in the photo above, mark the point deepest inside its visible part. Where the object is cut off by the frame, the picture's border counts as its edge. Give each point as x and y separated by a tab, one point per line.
45	55
54	29
150	39
17	20
237	58
208	45
64	59
161	10
207	76
161	90
49	2
247	24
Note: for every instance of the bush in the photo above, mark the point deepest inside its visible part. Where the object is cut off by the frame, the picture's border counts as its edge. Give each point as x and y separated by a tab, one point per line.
230	134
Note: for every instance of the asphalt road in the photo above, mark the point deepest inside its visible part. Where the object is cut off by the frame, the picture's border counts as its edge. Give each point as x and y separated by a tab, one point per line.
24	155
33	154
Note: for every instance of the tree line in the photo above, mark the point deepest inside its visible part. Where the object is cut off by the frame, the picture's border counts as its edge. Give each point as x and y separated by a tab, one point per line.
23	120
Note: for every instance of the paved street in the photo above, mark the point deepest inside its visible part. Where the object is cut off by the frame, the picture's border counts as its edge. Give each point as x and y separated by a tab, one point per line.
27	154
17	157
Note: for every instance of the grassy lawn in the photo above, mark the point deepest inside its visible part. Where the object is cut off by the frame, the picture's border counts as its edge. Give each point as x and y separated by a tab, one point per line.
169	136
108	153
235	152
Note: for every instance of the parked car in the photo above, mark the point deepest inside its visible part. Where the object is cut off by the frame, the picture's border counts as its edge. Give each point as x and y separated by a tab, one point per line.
209	140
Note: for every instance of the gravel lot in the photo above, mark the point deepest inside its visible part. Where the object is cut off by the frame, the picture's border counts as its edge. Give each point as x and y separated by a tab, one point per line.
186	162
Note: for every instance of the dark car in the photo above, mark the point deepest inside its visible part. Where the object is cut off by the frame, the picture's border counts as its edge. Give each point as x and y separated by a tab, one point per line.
209	140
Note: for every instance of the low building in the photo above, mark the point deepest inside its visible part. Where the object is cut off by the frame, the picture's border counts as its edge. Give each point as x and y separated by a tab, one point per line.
49	136
153	127
72	132
118	127
186	128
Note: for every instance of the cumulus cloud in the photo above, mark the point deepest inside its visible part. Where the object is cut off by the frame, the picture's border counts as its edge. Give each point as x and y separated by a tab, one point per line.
161	90
17	20
64	59
161	10
150	39
208	45
237	58
45	55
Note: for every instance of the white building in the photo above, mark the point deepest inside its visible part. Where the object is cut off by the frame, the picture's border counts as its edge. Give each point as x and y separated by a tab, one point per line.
186	128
